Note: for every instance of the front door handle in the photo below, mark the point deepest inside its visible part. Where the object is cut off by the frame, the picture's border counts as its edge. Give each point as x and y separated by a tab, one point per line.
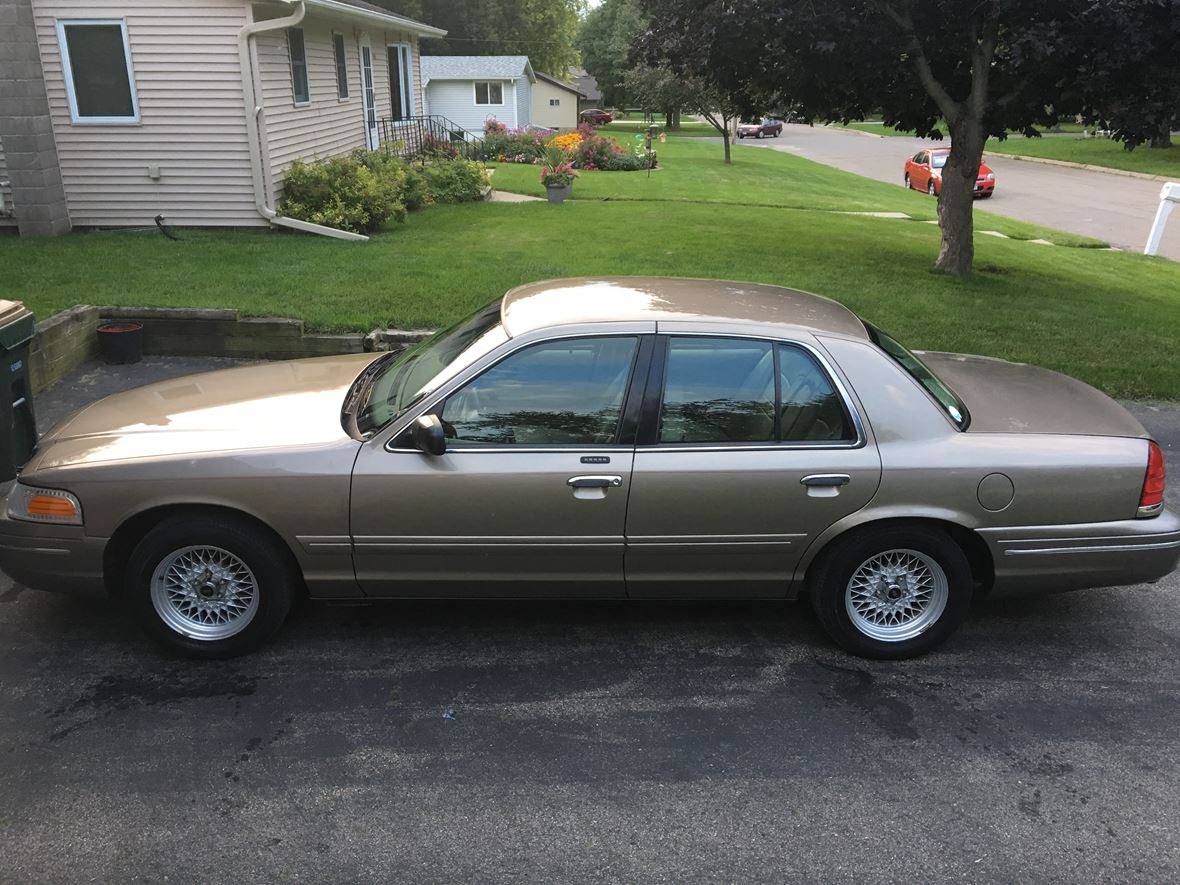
826	479
594	482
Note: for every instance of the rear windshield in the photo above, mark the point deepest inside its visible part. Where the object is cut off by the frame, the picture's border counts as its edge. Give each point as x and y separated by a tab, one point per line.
950	403
939	160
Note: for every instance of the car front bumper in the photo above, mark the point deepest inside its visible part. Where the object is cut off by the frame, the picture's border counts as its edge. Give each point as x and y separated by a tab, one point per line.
60	558
1074	557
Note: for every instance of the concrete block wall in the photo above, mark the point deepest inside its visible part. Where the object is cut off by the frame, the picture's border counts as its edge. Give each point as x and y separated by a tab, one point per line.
61	343
30	153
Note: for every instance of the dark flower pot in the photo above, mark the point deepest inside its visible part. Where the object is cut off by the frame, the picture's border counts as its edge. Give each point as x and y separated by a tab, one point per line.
120	343
558	192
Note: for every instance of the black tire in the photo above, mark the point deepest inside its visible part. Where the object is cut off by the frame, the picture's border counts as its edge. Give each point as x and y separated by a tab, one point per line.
275	578
908	186
832	572
930	189
986	196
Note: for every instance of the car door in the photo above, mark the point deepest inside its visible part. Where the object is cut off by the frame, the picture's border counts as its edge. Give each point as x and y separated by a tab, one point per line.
529	497
748	449
919	173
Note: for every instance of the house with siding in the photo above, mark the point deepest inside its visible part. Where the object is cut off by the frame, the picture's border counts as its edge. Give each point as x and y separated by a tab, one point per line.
191	109
555	103
471	89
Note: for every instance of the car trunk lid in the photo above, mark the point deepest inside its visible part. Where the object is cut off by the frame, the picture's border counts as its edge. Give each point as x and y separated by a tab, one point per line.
1006	397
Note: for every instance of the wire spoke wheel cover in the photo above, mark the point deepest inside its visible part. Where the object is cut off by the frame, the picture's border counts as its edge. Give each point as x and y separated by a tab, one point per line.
205	593
896	595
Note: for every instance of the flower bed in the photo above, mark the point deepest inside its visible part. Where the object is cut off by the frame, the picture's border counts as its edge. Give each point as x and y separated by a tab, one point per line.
583	148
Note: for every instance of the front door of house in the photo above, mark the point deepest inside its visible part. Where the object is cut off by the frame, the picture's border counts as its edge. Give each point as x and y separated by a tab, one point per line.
369	98
399	90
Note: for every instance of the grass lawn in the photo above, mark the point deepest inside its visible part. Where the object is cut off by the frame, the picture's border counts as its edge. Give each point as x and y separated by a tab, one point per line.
630	128
1110	318
693	171
1096	152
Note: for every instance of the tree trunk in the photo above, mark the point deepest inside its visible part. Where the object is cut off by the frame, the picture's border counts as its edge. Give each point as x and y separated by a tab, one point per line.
1163	138
669	119
725	140
956	201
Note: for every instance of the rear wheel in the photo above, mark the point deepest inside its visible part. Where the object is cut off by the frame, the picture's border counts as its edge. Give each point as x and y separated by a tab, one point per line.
892	593
930	188
210	586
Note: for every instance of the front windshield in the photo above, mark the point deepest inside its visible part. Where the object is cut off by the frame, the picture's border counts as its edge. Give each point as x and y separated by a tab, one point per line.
953	406
401	382
938	160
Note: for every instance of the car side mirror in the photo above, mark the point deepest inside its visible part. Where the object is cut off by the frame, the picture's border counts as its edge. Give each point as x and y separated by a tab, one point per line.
428	435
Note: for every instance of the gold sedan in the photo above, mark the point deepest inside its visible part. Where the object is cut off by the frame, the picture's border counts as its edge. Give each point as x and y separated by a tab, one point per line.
628	437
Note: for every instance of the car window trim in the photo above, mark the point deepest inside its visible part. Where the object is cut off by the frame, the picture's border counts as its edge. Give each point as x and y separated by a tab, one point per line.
439	397
649	434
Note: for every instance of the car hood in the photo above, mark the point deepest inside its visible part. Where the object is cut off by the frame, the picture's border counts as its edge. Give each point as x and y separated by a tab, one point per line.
280	404
1004	397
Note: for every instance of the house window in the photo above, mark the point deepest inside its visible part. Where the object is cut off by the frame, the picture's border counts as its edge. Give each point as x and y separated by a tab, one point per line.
298	54
96	61
554	102
489	93
341	66
401	83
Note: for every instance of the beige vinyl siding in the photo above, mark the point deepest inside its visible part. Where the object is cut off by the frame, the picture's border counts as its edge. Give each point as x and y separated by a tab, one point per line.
564	116
6	219
192	121
327	125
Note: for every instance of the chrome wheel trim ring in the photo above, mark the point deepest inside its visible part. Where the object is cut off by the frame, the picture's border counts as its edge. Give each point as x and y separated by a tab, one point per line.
205	593
896	595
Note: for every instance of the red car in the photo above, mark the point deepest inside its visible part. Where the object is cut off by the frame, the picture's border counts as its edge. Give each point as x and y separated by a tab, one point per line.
595	116
764	129
923	172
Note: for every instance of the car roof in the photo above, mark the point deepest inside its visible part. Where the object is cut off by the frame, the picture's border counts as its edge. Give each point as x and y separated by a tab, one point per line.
637	299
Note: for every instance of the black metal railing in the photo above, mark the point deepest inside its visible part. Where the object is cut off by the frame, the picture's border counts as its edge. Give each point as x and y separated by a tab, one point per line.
424	138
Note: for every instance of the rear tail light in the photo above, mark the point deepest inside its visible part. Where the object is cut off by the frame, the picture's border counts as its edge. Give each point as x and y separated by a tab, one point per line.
1151	502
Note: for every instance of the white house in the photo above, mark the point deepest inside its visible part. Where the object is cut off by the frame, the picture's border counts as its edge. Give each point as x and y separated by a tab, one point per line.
192	109
469	89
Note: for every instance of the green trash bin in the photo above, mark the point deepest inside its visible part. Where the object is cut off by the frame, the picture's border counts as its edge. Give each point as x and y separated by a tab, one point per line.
18	428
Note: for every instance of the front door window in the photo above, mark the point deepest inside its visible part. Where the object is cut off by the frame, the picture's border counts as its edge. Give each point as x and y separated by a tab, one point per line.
560	393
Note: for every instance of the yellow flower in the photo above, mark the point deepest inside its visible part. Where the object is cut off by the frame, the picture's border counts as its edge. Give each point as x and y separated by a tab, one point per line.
568	141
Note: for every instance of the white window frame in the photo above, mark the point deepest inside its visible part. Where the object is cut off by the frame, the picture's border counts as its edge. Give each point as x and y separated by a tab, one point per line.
489	103
295	100
68	71
406	62
336	65
555	102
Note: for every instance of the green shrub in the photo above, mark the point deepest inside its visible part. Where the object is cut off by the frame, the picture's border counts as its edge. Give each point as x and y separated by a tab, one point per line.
407	178
455	181
343	192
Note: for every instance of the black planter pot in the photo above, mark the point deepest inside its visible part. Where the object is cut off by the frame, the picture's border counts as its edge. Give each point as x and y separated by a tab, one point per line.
120	343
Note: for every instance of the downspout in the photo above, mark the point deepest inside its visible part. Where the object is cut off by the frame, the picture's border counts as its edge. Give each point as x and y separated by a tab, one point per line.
258	155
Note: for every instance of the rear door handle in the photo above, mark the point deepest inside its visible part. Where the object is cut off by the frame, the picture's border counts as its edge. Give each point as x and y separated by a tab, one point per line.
826	479
594	482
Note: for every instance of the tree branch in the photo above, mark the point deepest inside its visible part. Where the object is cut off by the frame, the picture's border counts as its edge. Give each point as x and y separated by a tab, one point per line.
950	108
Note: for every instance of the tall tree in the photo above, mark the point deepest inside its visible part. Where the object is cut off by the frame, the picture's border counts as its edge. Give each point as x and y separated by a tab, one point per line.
659	89
604	40
986	67
544	30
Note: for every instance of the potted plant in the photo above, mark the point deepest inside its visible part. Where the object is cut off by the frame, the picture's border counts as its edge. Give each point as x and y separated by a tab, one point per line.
557	174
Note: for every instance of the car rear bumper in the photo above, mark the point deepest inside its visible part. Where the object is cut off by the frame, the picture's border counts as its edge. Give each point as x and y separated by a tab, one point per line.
59	558
1073	557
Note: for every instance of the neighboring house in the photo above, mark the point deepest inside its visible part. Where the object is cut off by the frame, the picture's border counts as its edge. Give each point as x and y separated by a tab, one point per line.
192	109
588	86
555	103
469	89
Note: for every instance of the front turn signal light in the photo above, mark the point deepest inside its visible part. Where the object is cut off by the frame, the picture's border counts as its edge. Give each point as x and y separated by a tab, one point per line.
43	505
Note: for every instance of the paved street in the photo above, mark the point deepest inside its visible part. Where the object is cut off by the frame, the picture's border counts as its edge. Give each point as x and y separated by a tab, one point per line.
461	742
1106	206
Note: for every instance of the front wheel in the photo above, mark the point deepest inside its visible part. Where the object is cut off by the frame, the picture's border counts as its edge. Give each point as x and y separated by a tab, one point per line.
908	186
892	593
930	189
210	586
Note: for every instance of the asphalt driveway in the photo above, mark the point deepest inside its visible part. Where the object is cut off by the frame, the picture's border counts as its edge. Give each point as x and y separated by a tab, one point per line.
602	742
1103	205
